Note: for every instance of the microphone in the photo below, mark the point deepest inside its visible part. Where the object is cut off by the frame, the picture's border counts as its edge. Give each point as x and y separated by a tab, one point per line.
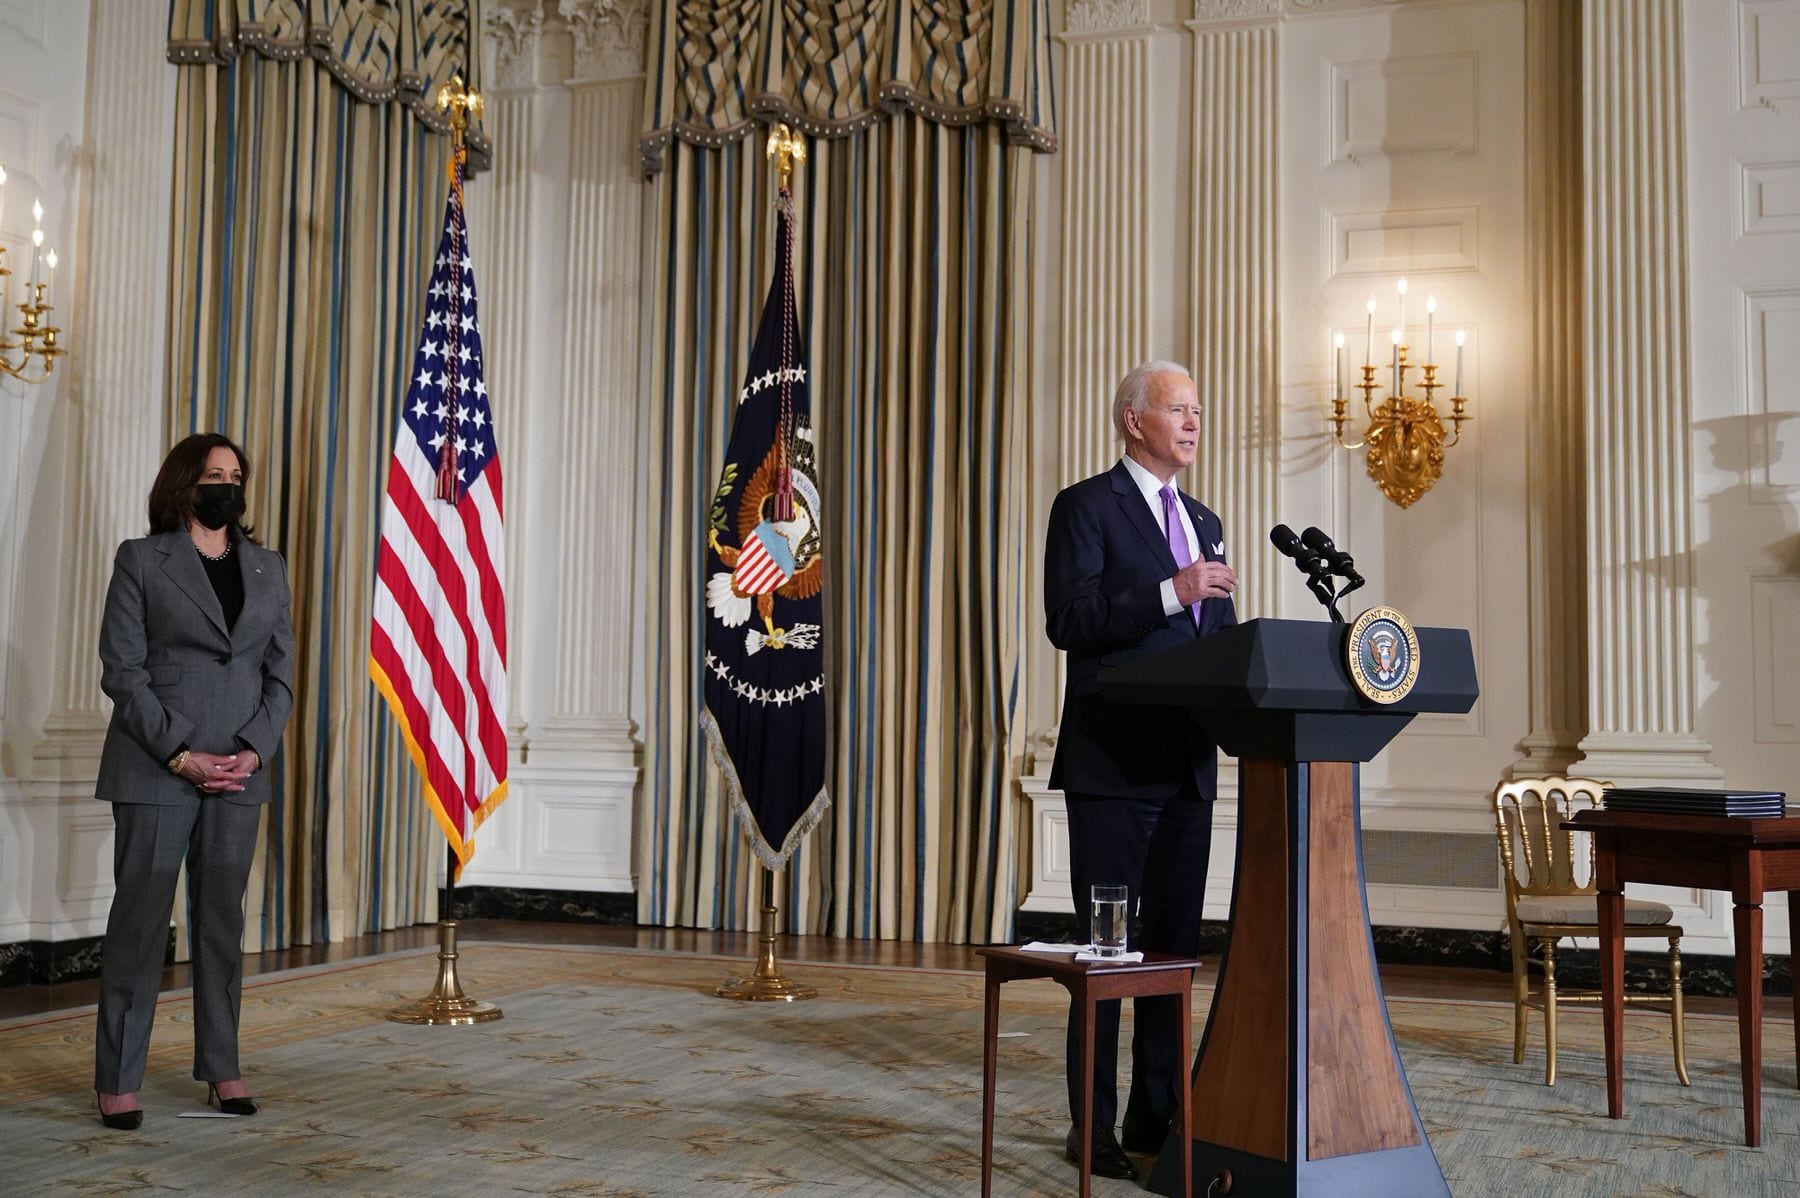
1290	545
1311	563
1339	562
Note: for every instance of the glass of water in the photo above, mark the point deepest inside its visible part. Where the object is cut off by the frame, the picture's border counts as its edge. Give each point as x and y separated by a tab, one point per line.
1109	920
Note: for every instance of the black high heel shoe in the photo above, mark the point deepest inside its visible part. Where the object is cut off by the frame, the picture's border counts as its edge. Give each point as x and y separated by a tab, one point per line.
119	1120
230	1106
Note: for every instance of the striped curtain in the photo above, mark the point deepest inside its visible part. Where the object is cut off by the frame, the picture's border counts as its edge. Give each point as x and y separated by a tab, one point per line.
309	185
911	272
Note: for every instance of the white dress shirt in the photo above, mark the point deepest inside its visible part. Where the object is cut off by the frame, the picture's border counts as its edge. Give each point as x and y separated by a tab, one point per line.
1152	486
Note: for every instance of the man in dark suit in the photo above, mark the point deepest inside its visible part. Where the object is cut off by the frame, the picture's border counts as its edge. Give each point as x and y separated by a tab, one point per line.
1133	567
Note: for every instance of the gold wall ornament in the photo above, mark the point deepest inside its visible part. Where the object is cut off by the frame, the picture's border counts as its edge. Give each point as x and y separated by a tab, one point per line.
35	337
788	149
1404	439
1405	454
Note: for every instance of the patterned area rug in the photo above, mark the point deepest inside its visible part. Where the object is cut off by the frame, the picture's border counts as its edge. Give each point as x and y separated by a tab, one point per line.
617	1074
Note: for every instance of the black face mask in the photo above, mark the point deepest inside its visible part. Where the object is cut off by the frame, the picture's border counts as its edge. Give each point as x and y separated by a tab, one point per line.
218	504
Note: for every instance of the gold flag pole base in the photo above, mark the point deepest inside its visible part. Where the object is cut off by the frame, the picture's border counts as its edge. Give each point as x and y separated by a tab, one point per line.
446	1003
765	983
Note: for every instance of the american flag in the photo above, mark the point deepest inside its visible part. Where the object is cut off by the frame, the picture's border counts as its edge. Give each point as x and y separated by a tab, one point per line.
437	642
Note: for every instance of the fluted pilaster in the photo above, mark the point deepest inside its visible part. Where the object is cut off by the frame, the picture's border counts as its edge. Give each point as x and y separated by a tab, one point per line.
600	403
1232	276
1104	329
514	35
115	420
1105	211
1555	528
1641	697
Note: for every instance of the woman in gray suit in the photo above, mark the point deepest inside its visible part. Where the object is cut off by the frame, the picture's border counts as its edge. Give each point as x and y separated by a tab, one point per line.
196	649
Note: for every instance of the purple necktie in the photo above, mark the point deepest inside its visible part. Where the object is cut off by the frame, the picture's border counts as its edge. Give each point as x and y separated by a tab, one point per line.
1178	542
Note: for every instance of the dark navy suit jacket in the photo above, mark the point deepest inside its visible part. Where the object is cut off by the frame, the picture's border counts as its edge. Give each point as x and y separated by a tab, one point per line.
1105	559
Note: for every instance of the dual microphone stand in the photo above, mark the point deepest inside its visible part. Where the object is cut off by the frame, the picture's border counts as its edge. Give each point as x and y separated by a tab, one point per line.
1320	560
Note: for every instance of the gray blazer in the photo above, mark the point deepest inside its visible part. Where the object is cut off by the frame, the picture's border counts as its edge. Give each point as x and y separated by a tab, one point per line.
176	677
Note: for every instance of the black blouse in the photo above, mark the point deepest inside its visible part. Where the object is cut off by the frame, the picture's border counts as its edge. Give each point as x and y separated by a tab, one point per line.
227	583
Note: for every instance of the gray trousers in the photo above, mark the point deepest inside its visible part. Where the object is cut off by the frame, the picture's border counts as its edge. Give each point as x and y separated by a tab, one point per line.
217	839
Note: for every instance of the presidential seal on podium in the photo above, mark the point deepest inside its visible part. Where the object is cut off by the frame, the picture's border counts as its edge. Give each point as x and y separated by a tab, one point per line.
1382	654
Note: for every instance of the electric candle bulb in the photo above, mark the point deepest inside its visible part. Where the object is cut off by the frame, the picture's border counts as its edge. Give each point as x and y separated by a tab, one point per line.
1430	328
1337	369
1461	336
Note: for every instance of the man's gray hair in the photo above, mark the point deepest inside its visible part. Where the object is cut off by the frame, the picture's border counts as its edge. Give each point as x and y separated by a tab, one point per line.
1134	390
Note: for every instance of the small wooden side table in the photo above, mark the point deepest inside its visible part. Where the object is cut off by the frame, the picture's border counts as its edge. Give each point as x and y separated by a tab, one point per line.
1088	983
1748	857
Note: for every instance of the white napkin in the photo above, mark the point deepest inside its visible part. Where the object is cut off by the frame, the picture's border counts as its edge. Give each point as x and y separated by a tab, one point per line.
1044	946
1121	959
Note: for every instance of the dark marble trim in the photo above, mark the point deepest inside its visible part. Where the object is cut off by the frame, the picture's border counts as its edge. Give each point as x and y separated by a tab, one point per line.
1702	974
613	908
50	962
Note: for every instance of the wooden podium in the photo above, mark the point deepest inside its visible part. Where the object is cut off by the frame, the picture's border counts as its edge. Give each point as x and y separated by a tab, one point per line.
1298	1087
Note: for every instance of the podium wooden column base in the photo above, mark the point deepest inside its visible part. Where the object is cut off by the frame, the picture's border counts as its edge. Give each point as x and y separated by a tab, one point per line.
1298	1089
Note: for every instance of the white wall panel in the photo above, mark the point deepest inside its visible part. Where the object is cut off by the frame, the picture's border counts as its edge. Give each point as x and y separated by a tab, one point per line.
24	19
1415	170
1395	242
1768	59
1774	649
1771	338
1403	104
1771	198
1742	241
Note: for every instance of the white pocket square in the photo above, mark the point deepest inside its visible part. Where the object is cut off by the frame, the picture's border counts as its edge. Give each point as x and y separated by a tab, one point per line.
1219	549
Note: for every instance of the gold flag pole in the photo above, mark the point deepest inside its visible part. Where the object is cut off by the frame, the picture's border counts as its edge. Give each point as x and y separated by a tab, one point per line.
447	1004
765	983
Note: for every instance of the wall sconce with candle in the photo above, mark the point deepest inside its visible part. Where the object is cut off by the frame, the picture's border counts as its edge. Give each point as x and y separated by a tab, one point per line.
36	336
1405	436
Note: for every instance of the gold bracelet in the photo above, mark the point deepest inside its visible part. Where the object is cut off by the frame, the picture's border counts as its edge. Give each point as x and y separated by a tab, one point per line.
179	761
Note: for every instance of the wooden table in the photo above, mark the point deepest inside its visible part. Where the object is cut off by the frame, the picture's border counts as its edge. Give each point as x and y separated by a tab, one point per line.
1088	983
1748	857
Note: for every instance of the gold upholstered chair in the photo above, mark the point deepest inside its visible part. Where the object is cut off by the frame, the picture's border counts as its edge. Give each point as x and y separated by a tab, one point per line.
1550	894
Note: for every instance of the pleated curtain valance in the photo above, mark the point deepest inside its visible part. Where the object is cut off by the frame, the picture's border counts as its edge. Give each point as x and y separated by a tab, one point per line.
381	51
718	68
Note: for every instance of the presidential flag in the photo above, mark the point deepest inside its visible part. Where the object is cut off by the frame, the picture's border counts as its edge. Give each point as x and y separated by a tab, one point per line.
765	662
437	642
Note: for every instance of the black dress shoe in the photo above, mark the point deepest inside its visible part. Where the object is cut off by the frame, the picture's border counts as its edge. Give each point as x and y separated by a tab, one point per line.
229	1106
120	1120
1146	1134
1109	1160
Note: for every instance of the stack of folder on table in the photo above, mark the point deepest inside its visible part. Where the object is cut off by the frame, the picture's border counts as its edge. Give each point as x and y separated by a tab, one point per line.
1679	800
